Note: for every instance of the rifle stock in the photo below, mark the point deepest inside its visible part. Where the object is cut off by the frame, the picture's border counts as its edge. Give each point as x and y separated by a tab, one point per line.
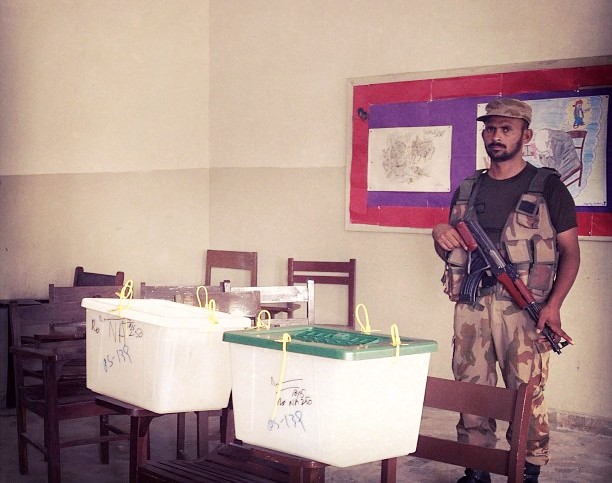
478	243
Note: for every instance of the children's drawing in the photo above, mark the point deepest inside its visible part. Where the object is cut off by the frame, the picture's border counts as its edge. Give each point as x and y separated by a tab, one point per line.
415	159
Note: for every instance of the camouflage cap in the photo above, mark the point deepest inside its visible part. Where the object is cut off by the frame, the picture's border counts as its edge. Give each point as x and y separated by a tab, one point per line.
507	107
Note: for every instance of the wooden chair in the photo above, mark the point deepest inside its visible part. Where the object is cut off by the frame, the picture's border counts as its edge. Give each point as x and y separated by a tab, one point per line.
83	278
335	273
235	463
286	294
78	293
231	260
509	405
50	382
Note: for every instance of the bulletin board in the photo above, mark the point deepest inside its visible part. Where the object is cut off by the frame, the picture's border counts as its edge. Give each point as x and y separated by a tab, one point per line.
414	137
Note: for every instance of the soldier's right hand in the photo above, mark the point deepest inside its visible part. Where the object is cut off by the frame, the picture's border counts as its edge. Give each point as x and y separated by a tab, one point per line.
447	238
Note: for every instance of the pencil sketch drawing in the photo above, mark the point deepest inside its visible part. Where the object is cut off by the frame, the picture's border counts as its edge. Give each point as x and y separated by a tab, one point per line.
415	159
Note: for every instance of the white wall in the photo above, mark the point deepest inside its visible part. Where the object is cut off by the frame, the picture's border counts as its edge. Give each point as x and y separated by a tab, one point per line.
103	141
111	86
279	69
152	225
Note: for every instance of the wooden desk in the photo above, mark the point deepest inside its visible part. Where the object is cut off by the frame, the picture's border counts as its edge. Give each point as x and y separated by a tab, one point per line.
140	419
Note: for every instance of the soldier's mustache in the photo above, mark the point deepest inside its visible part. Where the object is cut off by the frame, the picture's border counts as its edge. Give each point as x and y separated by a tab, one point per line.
500	145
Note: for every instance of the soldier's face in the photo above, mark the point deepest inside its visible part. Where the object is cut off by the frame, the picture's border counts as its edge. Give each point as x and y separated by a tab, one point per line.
504	137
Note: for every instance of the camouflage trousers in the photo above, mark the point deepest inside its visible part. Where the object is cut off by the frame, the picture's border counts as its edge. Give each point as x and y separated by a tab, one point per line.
501	334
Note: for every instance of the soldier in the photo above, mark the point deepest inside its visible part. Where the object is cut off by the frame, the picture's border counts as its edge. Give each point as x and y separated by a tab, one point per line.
531	217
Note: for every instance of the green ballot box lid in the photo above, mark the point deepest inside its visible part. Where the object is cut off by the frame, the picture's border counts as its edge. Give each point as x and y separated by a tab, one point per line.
333	343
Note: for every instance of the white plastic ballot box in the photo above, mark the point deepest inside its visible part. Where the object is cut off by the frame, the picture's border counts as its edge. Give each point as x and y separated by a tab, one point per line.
160	355
336	396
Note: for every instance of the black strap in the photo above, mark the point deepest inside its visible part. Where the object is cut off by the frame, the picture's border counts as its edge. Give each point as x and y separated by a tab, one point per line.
466	189
539	179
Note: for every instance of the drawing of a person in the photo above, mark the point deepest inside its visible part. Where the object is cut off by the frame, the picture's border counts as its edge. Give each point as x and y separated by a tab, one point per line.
578	114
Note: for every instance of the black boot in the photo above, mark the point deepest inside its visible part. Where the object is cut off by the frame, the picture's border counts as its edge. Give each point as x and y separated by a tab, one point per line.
475	476
531	473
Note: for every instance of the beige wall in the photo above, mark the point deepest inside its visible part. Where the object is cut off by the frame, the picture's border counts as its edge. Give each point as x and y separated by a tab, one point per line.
108	129
152	225
103	141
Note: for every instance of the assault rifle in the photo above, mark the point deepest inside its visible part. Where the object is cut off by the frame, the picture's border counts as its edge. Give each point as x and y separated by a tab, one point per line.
483	256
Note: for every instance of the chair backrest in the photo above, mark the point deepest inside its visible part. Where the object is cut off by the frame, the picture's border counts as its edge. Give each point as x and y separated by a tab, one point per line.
500	403
298	294
76	294
30	320
233	260
322	272
35	325
176	293
87	279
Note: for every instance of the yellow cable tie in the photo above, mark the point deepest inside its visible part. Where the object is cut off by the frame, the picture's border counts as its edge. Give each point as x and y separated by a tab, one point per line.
198	296
367	329
127	292
281	378
396	340
259	323
212	308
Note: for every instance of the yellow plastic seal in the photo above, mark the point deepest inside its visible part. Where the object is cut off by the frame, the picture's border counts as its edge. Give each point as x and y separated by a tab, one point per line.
198	296
212	309
126	293
396	340
365	329
259	323
281	378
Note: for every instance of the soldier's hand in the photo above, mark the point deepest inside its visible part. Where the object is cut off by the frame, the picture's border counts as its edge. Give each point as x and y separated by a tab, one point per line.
551	316
447	237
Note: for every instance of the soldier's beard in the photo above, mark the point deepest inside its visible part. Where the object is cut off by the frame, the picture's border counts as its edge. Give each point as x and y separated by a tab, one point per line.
505	155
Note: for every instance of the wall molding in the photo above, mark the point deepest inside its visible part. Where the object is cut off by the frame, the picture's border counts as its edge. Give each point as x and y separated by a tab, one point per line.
579	422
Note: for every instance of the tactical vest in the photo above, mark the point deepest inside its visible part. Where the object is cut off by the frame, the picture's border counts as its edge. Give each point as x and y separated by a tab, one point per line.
528	239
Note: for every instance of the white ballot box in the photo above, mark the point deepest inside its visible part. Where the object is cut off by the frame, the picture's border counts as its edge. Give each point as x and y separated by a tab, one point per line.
336	396
160	355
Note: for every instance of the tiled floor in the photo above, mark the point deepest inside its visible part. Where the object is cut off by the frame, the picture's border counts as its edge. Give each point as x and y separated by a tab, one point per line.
577	457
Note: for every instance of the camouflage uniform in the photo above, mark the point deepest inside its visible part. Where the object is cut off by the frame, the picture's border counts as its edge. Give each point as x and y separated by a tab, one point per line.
498	331
495	330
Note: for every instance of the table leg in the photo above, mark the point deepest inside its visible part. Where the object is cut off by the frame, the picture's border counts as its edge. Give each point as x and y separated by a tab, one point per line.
139	443
388	473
